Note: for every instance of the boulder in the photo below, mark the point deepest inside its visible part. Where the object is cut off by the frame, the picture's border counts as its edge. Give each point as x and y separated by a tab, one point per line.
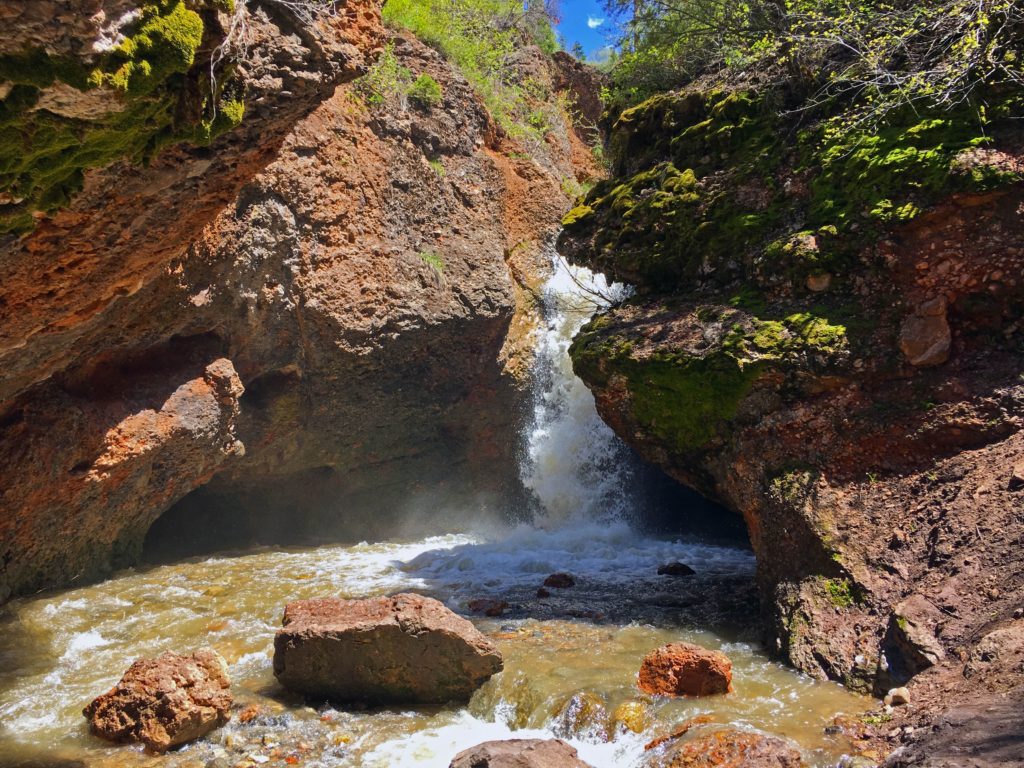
728	749
406	649
682	669
164	702
911	644
675	569
519	753
560	581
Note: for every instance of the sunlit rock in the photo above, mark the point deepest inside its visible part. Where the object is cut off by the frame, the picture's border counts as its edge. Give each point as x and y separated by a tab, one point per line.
682	669
164	702
404	649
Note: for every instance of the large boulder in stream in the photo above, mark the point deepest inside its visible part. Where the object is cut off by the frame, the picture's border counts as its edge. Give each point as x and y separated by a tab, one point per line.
519	753
164	702
406	649
683	669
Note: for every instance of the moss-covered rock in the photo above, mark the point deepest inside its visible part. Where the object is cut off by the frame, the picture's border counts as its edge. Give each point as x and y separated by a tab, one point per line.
685	394
154	93
718	187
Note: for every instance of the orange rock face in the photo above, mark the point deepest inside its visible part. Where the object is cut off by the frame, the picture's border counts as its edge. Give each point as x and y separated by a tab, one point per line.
682	669
164	702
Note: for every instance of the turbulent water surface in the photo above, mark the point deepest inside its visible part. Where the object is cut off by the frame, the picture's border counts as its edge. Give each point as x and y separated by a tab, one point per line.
570	659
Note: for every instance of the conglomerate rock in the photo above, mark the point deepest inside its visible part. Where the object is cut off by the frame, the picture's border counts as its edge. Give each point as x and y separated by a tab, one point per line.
164	702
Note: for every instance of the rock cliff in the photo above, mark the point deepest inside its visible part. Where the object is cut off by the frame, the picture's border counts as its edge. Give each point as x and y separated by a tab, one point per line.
256	324
827	339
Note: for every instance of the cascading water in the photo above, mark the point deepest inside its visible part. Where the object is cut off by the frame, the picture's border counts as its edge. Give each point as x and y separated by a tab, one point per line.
574	463
59	650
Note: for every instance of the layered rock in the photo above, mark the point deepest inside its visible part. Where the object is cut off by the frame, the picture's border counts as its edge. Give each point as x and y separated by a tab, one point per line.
831	348
406	649
357	267
164	702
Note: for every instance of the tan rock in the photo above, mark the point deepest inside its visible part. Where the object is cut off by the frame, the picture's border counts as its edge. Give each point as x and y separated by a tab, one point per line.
819	283
925	338
164	702
682	669
404	649
519	753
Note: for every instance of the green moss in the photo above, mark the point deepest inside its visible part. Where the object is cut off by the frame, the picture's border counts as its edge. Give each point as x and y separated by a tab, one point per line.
839	592
696	197
576	215
165	44
685	398
43	156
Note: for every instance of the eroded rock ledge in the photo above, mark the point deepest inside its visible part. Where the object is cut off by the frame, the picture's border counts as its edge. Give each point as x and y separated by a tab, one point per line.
307	316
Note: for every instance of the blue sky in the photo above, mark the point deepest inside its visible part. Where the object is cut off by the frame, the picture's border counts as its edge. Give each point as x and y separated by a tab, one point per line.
585	21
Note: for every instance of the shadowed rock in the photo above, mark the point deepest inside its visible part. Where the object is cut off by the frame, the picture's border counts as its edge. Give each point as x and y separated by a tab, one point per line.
406	649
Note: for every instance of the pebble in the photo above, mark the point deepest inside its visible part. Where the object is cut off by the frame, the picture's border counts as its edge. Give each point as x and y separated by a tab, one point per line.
1019	613
898	696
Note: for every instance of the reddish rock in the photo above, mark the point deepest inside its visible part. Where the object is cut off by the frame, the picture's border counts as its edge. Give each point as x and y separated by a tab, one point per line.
164	702
542	593
560	581
925	337
729	749
682	669
406	649
488	606
519	753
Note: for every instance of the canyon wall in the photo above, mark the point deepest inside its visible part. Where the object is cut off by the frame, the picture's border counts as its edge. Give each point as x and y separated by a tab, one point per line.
827	339
264	322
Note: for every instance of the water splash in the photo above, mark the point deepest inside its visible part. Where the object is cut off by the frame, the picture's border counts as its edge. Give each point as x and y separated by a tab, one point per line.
574	464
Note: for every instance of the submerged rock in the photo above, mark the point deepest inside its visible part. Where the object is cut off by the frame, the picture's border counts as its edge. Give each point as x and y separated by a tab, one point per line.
729	749
164	702
682	669
406	649
560	581
675	569
582	715
519	753
488	606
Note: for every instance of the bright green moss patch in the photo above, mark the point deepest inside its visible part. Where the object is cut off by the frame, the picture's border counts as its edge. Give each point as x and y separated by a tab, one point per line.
43	156
164	44
839	592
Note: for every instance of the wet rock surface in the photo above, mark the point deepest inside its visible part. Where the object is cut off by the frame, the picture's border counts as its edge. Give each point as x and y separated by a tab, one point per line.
164	702
684	669
519	753
729	749
405	649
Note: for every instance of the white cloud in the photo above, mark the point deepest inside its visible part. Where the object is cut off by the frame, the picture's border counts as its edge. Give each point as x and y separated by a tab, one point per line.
594	23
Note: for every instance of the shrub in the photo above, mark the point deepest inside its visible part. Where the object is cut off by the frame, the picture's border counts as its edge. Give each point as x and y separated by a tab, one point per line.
425	91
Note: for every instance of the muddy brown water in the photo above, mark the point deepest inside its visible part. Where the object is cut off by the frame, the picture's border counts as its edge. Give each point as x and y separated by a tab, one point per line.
570	661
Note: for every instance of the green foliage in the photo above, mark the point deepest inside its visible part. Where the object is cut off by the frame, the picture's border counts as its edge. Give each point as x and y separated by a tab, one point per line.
432	259
43	156
876	55
425	91
386	81
481	37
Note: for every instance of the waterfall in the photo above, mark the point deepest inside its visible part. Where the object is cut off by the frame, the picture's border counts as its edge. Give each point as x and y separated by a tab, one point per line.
572	461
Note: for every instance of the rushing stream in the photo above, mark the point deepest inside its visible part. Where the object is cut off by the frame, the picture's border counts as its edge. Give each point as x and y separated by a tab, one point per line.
570	659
